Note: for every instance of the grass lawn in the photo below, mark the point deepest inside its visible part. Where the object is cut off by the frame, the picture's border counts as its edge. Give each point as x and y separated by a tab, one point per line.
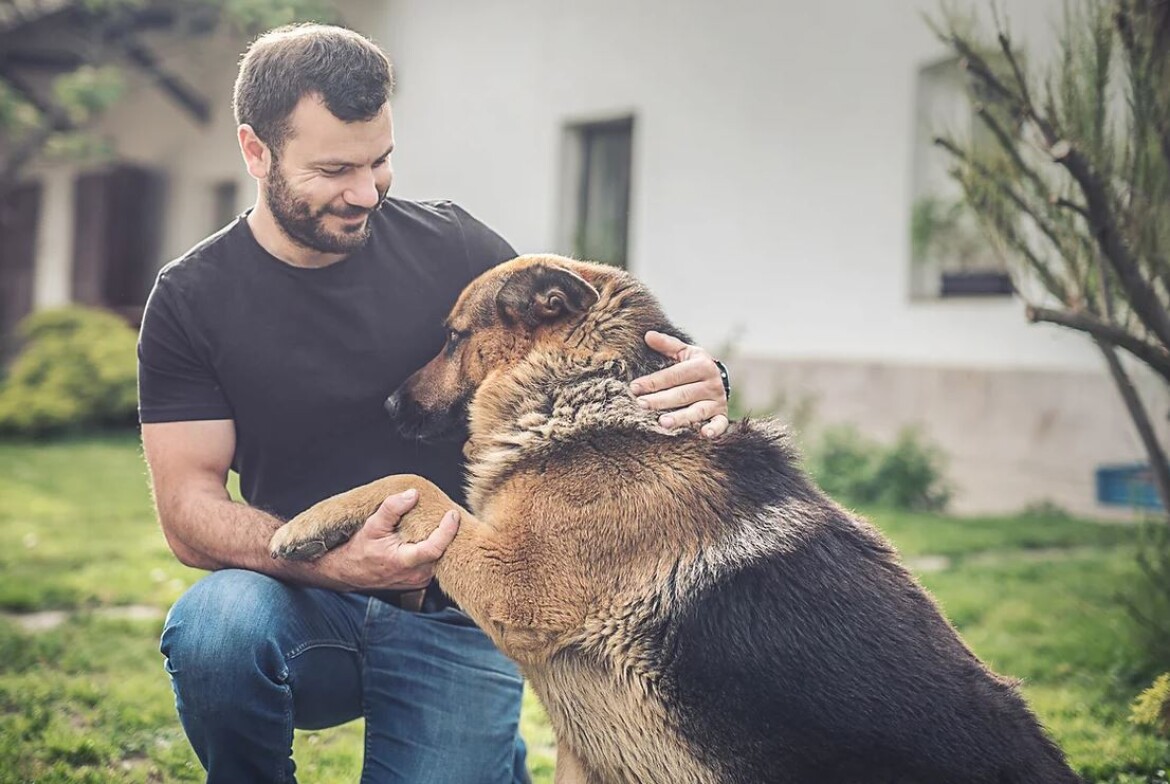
87	700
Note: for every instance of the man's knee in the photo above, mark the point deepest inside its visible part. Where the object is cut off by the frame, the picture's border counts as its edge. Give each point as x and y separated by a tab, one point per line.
221	635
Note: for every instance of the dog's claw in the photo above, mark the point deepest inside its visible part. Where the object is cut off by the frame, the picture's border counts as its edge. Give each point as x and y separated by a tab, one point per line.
301	551
290	548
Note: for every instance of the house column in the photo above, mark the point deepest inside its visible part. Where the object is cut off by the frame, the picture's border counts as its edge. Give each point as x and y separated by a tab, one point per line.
54	263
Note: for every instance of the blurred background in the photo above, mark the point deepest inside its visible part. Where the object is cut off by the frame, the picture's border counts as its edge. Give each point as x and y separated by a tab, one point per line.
768	168
933	239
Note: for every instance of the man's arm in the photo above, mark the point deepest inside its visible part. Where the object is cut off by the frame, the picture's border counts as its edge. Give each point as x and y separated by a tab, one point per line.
189	462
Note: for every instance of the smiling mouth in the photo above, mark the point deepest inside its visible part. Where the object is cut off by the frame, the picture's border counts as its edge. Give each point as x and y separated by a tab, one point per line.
352	224
348	212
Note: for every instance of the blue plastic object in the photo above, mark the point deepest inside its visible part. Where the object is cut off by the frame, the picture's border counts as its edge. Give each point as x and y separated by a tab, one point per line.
1127	485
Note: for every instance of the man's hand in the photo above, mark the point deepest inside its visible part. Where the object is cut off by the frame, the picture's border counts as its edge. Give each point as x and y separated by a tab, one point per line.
377	557
691	390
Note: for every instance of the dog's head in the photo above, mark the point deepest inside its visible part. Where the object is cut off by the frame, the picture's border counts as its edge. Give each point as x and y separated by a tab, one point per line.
529	303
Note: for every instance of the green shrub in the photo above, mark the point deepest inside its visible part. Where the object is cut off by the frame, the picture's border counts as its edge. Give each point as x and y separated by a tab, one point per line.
843	464
1152	707
76	370
906	475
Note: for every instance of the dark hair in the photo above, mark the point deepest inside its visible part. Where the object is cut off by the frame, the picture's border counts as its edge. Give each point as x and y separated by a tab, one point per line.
348	71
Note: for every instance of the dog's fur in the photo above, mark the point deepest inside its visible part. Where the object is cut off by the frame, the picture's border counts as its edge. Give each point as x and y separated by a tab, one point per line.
687	609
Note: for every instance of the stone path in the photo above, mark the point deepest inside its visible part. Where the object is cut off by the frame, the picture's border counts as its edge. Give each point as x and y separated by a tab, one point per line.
929	563
47	620
940	563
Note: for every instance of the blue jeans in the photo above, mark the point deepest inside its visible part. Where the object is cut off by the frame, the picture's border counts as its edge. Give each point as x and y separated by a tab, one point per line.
250	658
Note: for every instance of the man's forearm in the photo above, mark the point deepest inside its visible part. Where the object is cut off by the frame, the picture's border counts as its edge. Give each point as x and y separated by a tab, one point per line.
214	533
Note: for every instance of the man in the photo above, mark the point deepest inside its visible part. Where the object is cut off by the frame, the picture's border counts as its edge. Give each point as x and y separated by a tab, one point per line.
269	348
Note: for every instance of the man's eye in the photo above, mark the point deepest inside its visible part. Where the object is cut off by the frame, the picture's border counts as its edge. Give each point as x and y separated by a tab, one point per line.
333	172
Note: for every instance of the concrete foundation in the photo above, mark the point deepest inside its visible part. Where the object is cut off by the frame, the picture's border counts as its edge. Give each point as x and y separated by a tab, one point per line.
1013	437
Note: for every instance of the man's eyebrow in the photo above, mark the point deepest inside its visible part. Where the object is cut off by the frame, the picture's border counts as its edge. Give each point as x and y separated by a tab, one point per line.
335	162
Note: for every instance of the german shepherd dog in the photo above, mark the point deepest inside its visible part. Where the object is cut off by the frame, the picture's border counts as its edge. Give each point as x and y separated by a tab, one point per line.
687	609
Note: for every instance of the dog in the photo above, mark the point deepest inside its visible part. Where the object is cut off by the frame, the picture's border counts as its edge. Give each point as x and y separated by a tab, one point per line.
687	609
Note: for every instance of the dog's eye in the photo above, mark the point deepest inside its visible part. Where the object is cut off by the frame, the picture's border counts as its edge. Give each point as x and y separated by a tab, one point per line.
453	338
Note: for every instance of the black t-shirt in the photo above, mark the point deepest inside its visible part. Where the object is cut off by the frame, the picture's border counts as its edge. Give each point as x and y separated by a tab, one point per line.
303	359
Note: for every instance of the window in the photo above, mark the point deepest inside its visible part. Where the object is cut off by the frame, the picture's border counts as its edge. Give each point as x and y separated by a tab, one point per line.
116	225
596	210
950	253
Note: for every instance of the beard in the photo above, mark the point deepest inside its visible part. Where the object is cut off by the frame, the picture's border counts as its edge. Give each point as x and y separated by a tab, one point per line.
305	225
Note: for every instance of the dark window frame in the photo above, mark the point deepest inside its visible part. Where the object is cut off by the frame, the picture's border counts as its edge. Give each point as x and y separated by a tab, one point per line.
583	236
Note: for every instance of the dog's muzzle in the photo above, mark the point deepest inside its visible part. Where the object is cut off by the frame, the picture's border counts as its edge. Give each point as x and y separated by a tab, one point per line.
414	422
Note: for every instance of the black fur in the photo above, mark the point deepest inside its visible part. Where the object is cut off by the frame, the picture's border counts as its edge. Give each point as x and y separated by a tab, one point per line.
828	663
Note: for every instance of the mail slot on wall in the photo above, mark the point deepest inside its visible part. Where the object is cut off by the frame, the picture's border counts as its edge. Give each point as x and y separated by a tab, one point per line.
1127	485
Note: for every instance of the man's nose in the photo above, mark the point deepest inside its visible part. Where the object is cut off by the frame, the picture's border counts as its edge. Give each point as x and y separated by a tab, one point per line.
363	192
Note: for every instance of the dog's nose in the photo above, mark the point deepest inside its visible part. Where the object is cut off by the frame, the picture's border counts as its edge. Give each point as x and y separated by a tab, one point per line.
392	405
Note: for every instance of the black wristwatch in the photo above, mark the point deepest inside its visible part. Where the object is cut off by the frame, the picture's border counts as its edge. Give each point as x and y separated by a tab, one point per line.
724	378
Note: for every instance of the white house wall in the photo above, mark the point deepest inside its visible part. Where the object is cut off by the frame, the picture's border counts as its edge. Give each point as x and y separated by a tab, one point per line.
772	155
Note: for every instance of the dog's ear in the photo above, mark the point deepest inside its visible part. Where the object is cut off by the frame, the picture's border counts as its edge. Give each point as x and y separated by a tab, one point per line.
542	293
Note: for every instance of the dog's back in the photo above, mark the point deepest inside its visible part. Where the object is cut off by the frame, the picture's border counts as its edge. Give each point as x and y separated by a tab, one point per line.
812	655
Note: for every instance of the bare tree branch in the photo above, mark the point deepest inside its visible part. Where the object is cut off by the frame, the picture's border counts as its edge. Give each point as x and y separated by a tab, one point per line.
1019	201
1070	205
1145	302
1139	57
182	93
1050	281
1146	305
54	116
1157	357
1005	46
1008	144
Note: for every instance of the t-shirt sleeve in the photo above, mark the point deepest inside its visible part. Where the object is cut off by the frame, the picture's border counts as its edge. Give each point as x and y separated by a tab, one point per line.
485	248
175	381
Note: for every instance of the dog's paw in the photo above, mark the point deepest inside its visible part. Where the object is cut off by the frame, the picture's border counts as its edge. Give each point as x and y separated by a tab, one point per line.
308	536
330	523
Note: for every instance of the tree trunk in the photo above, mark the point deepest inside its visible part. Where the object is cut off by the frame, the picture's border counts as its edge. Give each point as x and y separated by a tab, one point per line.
1159	468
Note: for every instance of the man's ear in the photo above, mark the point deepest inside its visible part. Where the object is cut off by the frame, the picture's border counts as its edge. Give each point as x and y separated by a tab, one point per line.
543	293
257	156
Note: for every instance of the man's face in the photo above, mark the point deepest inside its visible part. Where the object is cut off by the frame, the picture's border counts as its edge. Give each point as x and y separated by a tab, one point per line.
329	176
